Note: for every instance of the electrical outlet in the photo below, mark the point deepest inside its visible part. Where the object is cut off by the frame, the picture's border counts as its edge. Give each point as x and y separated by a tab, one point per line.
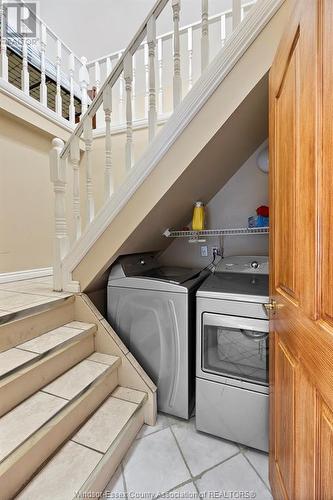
204	251
216	251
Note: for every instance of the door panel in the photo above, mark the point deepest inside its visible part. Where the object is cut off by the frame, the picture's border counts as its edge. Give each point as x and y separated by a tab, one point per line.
286	178
301	253
285	378
305	436
326	206
326	453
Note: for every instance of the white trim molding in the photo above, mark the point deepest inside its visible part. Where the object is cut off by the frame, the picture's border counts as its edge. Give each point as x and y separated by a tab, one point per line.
33	105
138	124
235	47
26	274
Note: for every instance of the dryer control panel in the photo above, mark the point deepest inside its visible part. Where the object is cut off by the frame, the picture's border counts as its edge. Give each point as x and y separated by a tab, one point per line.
251	264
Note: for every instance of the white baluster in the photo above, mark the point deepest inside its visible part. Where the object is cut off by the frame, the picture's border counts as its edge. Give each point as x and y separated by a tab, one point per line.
223	30
107	106
88	138
71	66
25	68
84	82
236	13
75	160
58	99
97	76
3	45
152	113
190	57
71	81
58	178
121	94
204	35
134	87
177	81
108	66
43	86
146	65
128	74
160	75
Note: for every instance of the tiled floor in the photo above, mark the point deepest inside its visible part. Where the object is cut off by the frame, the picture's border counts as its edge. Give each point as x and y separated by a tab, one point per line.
19	295
173	460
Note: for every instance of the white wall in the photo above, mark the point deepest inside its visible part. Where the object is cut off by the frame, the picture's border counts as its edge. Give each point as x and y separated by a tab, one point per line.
96	28
230	208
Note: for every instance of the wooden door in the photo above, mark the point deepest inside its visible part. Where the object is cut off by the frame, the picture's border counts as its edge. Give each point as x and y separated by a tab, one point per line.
301	249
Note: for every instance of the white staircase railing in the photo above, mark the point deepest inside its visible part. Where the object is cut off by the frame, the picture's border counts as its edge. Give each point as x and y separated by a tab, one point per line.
51	72
120	77
210	31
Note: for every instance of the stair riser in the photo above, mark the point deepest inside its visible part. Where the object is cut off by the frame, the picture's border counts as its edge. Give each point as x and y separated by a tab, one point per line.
27	328
114	455
18	387
18	469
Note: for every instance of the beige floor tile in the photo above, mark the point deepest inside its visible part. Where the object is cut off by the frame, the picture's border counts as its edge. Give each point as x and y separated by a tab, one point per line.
25	419
4	294
31	301
76	379
185	492
234	475
127	394
63	475
80	325
201	451
259	460
154	465
33	288
104	426
13	358
11	301
105	359
49	340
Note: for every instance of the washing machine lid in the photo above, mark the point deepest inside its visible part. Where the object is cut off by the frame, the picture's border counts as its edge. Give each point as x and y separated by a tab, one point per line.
146	266
176	275
166	280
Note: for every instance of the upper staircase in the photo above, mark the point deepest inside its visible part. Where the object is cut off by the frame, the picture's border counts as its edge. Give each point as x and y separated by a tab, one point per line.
216	124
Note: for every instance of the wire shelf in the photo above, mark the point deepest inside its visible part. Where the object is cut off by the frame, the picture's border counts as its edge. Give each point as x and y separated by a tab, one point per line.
208	233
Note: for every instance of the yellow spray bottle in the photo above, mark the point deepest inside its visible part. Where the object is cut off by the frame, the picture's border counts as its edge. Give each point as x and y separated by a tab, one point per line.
198	221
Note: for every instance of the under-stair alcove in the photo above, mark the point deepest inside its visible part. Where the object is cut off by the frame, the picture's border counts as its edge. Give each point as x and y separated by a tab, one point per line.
238	138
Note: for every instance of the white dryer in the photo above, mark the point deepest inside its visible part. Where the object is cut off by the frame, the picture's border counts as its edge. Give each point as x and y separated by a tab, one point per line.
232	352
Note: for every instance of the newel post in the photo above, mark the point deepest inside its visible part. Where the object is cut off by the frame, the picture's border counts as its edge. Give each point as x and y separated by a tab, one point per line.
58	178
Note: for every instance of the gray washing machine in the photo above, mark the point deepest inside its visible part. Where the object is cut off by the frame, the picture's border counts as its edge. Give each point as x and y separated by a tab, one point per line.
152	309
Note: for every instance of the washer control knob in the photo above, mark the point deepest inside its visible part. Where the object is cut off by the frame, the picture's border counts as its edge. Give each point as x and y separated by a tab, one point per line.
254	264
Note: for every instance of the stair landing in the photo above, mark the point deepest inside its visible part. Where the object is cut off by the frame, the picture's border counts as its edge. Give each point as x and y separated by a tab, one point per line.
20	298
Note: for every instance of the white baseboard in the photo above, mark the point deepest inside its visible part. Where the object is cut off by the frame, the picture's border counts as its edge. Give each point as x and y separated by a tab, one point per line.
26	274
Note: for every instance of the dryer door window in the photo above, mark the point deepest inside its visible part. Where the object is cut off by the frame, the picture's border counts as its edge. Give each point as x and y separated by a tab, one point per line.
235	347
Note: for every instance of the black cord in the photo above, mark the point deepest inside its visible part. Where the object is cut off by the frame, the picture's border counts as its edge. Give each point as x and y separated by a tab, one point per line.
211	264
